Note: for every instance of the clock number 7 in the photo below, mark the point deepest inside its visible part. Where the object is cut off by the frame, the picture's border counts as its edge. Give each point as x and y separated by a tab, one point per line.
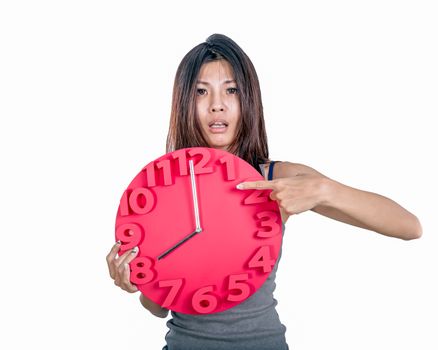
175	286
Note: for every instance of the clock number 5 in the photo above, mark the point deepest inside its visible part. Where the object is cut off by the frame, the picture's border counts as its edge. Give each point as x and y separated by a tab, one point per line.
237	282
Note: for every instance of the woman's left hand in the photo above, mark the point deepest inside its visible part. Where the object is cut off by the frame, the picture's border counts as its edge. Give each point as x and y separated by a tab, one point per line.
294	194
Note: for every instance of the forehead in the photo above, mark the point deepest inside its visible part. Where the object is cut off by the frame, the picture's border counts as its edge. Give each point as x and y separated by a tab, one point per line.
216	70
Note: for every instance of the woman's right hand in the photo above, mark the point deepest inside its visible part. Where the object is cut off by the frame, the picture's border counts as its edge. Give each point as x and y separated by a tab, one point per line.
119	267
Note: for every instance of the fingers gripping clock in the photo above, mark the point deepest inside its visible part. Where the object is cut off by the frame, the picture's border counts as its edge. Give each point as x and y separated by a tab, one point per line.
204	246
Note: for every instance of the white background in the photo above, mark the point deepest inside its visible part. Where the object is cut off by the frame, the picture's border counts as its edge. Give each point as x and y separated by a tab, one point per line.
349	88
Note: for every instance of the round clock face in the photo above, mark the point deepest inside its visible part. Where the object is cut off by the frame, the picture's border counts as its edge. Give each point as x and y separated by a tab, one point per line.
204	246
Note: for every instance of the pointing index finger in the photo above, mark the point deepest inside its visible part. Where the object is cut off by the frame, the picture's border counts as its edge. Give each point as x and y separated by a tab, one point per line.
256	185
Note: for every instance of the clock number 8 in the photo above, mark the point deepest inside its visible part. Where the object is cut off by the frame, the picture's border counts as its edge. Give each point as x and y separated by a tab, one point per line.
202	302
141	270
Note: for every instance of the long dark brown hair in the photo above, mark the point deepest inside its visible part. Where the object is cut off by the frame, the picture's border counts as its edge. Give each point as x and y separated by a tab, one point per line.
250	142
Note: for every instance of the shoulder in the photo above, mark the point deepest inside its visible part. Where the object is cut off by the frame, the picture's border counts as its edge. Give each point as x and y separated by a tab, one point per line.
289	169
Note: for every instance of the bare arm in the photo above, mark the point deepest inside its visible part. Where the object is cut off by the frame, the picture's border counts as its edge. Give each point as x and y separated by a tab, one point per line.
299	188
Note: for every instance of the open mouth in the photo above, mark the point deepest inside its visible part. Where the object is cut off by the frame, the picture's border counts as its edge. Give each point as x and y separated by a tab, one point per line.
218	124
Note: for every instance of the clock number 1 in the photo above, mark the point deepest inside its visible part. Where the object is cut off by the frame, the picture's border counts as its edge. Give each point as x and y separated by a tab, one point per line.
230	170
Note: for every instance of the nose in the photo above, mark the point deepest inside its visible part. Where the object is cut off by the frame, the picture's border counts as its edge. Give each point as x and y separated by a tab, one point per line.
217	104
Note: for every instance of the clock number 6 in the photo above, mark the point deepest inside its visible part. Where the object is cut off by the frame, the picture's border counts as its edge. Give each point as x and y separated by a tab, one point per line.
202	302
141	270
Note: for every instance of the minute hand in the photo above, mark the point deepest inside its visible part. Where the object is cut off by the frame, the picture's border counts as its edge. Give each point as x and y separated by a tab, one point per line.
195	196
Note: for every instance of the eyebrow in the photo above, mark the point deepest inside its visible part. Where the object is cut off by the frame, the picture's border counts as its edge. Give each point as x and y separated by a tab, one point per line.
224	82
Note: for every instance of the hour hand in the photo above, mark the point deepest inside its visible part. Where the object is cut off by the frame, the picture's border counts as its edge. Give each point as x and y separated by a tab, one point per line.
195	196
171	249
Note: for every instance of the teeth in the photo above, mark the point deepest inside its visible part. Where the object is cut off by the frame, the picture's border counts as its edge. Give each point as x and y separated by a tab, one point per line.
218	125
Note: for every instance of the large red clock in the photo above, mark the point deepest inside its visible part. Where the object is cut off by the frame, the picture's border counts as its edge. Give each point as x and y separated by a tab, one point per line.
204	246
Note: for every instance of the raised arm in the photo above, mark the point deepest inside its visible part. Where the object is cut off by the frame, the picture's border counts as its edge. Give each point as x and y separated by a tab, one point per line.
299	188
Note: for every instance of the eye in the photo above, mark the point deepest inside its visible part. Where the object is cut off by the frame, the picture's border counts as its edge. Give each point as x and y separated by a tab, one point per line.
201	92
232	90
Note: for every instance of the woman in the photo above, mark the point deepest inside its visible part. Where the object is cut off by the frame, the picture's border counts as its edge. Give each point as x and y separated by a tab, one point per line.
217	103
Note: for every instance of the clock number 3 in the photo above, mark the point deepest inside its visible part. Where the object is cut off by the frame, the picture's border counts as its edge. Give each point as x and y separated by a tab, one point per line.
141	270
268	219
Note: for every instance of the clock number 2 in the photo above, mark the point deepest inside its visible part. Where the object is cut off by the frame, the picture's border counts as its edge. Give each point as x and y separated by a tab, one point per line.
262	258
202	302
256	197
139	201
175	286
269	220
142	271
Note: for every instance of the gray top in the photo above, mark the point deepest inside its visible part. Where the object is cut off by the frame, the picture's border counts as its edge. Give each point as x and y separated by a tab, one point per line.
252	325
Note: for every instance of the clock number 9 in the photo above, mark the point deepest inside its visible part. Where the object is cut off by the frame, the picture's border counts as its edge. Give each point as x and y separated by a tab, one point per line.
271	222
141	270
202	302
130	235
140	201
262	258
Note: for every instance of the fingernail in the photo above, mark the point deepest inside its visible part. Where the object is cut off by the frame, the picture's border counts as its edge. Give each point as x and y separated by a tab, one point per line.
126	266
239	186
118	242
134	250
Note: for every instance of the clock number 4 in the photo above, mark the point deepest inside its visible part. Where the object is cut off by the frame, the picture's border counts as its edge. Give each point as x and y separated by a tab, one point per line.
262	259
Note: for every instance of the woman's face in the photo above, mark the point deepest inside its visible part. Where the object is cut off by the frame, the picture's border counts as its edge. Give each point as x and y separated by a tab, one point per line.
217	103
